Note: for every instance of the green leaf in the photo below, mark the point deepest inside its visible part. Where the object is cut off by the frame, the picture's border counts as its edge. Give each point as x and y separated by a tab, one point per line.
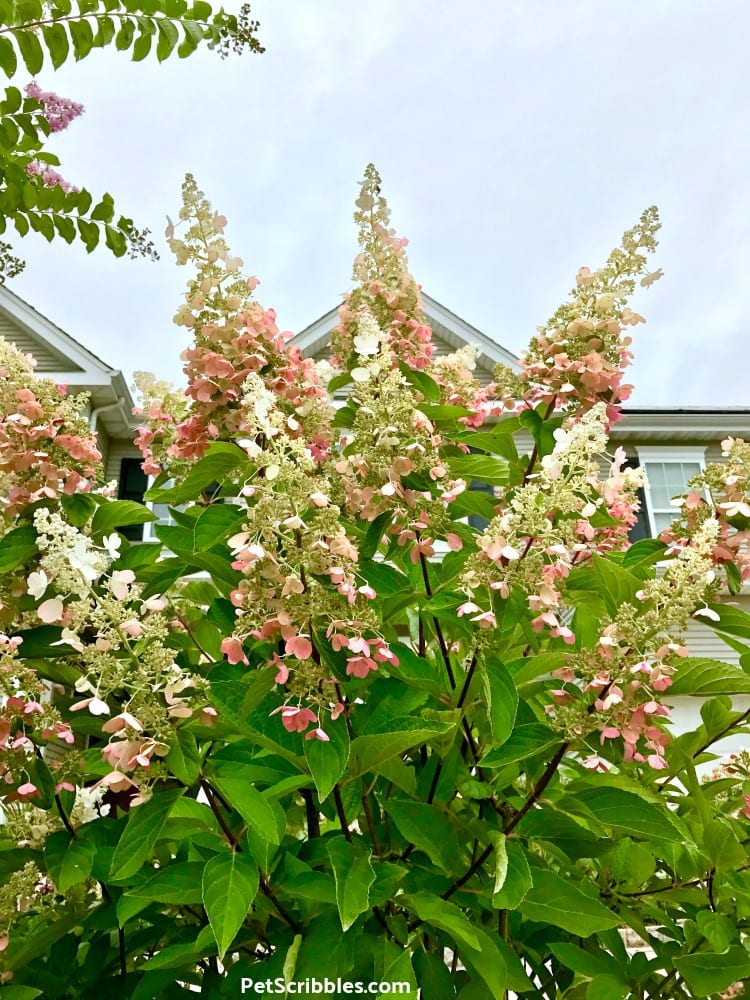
115	240
473	502
145	823
18	545
327	761
733	621
215	466
477	948
256	811
175	884
78	508
422	382
69	860
517	879
168	38
116	514
184	759
385	579
616	585
700	677
401	735
557	901
525	741
428	829
8	62
20	992
502	700
629	813
645	552
354	875
483	468
707	973
230	884
374	534
30	49
608	987
588	963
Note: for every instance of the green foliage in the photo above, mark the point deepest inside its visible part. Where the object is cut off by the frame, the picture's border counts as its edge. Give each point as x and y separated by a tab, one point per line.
35	37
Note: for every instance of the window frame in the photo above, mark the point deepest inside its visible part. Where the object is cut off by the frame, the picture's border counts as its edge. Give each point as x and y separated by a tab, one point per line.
666	455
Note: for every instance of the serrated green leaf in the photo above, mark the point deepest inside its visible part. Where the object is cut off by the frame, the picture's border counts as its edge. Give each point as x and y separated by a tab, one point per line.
256	811
557	901
179	883
517	879
119	514
184	759
481	468
630	814
707	973
354	875
327	761
69	860
230	884
702	677
404	733
428	829
502	700
18	545
145	823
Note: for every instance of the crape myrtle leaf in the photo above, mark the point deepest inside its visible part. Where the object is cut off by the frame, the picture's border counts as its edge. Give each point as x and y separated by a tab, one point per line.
557	901
502	699
179	883
476	946
628	813
700	677
68	859
327	761
707	973
428	829
230	884
354	875
517	879
144	825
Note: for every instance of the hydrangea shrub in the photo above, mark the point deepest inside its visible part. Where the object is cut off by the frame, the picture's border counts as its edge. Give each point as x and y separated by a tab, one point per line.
324	727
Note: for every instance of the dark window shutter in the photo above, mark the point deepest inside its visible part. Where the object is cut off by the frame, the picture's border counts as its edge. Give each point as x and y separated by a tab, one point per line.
132	486
476	520
641	529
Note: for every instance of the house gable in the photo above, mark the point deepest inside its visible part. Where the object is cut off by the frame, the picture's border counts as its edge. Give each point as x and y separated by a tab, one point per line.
450	333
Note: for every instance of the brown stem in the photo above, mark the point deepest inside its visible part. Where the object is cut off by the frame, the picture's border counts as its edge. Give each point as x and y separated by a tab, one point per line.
214	806
340	813
312	815
267	891
538	789
438	630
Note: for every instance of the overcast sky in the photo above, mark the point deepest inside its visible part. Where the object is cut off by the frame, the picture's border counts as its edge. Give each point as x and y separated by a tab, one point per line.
516	141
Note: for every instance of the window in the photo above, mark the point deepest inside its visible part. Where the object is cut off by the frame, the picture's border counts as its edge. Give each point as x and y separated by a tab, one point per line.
668	471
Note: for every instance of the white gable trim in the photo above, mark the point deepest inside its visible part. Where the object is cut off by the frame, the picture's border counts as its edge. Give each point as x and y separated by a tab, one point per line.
448	326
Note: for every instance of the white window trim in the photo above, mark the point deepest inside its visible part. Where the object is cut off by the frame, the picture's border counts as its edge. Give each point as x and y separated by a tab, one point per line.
664	455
